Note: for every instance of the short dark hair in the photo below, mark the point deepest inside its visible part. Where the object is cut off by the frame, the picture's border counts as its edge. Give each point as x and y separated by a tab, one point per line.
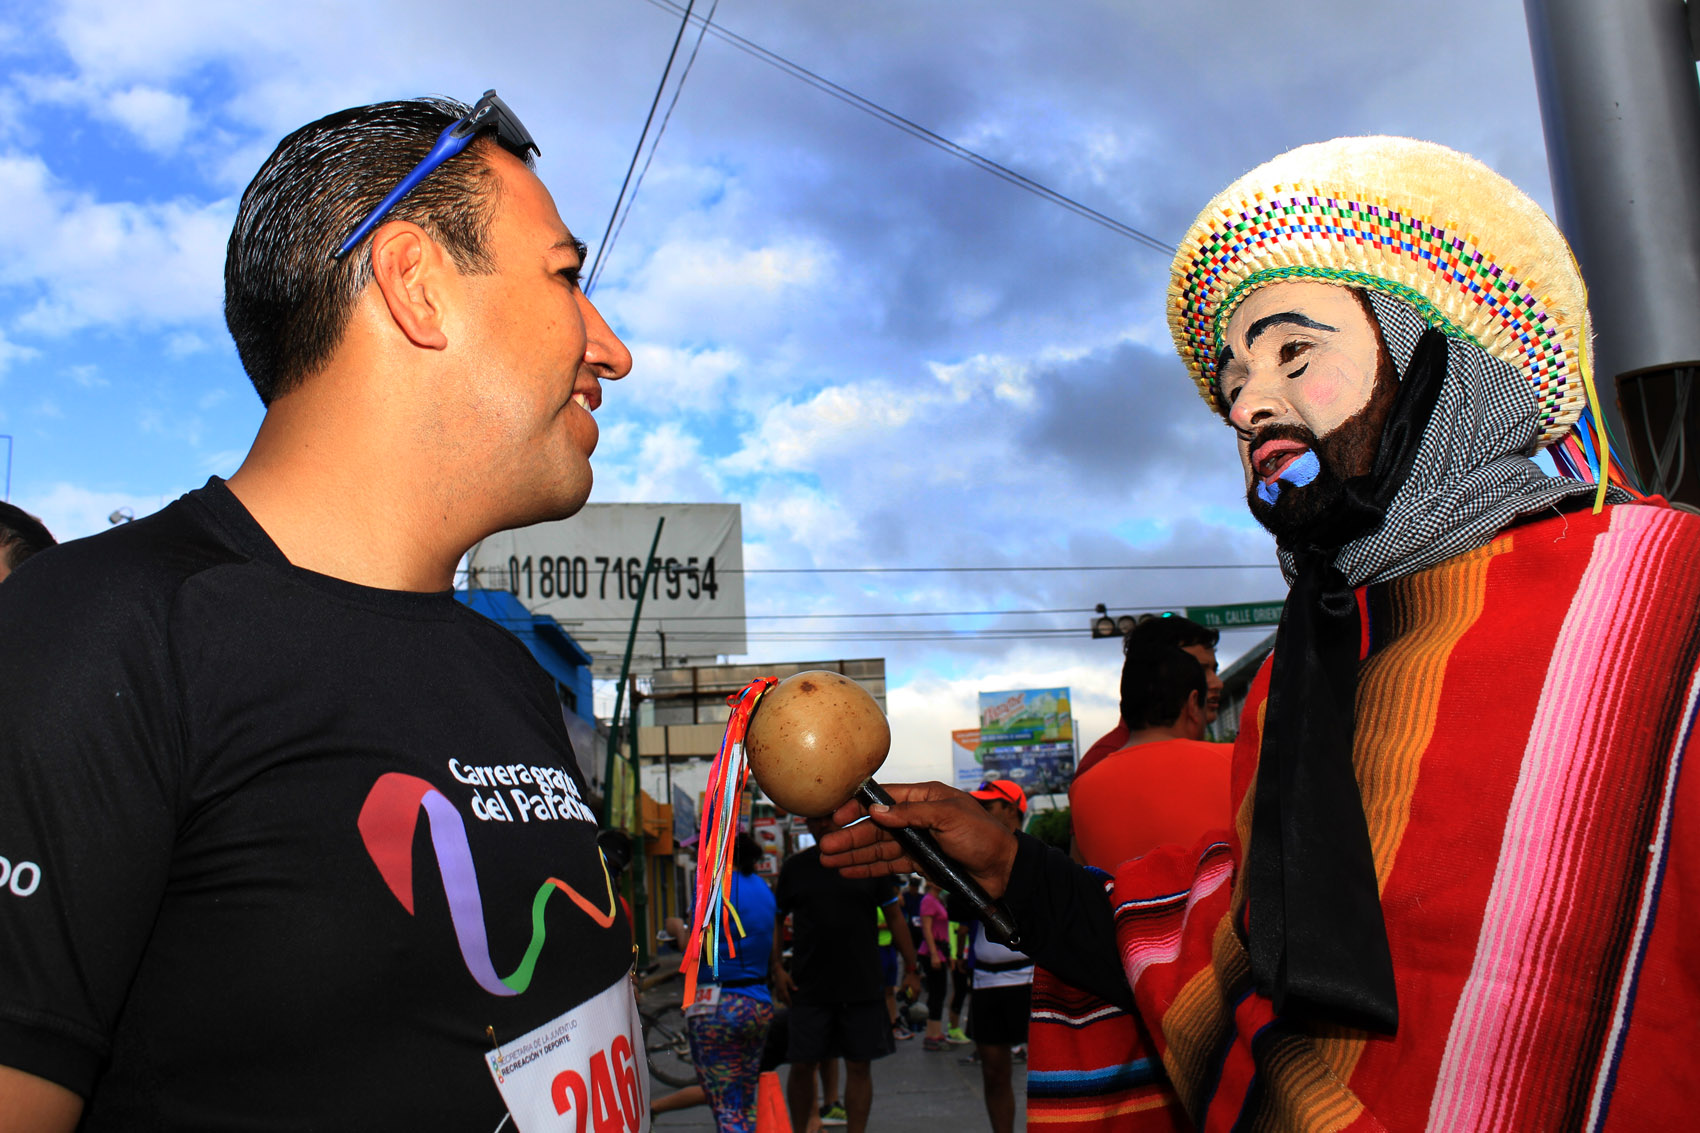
1157	679
286	301
21	535
1169	629
746	852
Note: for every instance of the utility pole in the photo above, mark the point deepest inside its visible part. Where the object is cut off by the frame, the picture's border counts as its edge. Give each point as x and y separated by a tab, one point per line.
1620	107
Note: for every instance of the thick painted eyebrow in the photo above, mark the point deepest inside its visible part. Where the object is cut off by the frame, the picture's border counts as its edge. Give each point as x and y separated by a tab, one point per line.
1283	318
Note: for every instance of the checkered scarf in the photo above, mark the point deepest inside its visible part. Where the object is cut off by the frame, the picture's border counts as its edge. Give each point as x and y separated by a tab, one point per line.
1453	469
1473	475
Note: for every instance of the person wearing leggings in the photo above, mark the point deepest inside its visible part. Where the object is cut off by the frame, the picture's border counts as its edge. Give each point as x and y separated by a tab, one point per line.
935	953
727	1024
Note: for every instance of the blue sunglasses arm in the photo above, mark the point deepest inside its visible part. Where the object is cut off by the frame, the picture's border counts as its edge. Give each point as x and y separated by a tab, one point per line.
448	144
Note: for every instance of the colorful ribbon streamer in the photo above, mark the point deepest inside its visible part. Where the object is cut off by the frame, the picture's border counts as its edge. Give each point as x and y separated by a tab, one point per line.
714	914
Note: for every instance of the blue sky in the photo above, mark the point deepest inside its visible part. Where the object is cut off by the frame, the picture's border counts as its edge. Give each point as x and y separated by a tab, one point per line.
887	356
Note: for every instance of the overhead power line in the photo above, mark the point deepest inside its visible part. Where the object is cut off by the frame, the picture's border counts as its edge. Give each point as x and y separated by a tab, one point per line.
602	247
916	130
672	618
683	642
604	252
997	569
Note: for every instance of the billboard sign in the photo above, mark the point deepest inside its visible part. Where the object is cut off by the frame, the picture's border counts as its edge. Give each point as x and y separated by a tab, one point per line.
585	572
965	772
1027	736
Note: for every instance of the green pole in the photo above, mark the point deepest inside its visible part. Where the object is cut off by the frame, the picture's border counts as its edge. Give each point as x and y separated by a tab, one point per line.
620	693
640	865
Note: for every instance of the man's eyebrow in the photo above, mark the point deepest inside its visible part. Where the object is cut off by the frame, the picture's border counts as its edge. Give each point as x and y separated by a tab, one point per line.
574	243
1283	318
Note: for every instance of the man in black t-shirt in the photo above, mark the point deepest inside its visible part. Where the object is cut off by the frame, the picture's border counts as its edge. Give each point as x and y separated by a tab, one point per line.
834	987
295	840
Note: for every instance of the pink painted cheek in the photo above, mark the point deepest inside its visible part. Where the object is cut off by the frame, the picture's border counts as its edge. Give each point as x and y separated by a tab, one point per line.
1328	396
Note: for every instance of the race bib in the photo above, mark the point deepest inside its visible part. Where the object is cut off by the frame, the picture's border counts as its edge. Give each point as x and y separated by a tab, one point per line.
581	1073
706	1002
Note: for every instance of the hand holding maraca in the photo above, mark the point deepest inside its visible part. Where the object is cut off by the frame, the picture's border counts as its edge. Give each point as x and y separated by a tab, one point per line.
964	831
814	742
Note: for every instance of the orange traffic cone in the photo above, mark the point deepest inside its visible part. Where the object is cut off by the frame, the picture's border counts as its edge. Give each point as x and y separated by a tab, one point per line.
771	1114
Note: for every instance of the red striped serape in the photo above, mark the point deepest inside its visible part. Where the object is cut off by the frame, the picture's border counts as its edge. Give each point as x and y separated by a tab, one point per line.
1525	715
1088	1067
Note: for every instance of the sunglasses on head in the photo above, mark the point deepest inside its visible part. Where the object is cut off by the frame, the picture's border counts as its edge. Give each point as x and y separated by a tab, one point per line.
491	113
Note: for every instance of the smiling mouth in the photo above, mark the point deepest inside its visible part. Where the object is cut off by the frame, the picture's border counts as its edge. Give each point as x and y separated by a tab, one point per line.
589	402
1273	457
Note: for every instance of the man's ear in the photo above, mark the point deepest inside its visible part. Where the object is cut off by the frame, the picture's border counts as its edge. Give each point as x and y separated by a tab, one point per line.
1195	706
408	267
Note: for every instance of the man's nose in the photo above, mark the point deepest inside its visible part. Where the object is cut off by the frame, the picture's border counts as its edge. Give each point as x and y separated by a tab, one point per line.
603	350
1260	399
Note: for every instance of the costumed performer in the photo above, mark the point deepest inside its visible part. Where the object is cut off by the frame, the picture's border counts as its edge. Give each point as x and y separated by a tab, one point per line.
1462	871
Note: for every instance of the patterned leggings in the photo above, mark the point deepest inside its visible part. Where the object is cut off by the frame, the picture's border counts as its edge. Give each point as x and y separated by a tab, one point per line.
726	1047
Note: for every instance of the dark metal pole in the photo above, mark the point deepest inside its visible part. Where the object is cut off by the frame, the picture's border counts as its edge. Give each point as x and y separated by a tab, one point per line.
1621	112
640	860
620	693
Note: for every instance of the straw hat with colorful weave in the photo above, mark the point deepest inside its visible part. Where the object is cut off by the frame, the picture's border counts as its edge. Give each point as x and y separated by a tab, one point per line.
1437	228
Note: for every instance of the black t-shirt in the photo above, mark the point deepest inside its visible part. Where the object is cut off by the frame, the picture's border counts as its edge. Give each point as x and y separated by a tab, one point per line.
246	796
834	930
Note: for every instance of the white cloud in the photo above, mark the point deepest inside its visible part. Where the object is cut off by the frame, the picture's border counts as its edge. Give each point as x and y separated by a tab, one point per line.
72	511
175	427
159	39
677	377
1006	379
749	292
805	516
158	119
926	708
87	376
107	263
835	421
663	462
184	343
11	352
222	462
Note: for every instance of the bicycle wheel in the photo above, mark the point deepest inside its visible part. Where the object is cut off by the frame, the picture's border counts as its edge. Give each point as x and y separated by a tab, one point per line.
666	1048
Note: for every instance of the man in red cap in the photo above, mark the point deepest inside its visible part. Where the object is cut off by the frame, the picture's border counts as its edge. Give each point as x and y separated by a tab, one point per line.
1003	979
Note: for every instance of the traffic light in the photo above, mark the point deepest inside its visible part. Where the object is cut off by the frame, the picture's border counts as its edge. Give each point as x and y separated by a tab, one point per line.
1105	626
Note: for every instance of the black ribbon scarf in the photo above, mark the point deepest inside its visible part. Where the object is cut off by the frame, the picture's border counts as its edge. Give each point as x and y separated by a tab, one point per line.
1317	939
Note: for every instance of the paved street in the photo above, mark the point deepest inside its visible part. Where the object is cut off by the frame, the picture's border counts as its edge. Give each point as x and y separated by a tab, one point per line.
914	1090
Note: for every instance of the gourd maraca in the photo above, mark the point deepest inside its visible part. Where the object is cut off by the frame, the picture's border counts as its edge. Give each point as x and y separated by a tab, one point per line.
814	743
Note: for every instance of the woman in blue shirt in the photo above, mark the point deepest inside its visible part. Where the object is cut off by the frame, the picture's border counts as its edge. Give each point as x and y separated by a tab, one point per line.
728	1022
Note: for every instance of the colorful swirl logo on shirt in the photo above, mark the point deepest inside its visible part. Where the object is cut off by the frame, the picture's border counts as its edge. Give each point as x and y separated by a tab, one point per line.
387	822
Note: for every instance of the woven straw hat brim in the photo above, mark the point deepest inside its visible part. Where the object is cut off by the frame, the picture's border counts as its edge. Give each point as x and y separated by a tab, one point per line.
1433	226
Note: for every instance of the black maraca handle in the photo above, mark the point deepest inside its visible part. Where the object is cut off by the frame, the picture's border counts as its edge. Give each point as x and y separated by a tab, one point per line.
936	864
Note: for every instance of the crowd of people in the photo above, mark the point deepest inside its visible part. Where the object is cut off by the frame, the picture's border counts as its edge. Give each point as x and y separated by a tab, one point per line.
844	960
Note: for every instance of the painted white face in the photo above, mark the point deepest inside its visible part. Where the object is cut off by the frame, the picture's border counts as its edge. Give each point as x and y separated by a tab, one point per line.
1298	354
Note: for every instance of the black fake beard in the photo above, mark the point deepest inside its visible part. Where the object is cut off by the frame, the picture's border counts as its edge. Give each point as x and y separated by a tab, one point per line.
1346	452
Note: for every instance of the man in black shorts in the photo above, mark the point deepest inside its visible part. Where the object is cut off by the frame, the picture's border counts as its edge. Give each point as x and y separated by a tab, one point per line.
1003	982
835	988
307	840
